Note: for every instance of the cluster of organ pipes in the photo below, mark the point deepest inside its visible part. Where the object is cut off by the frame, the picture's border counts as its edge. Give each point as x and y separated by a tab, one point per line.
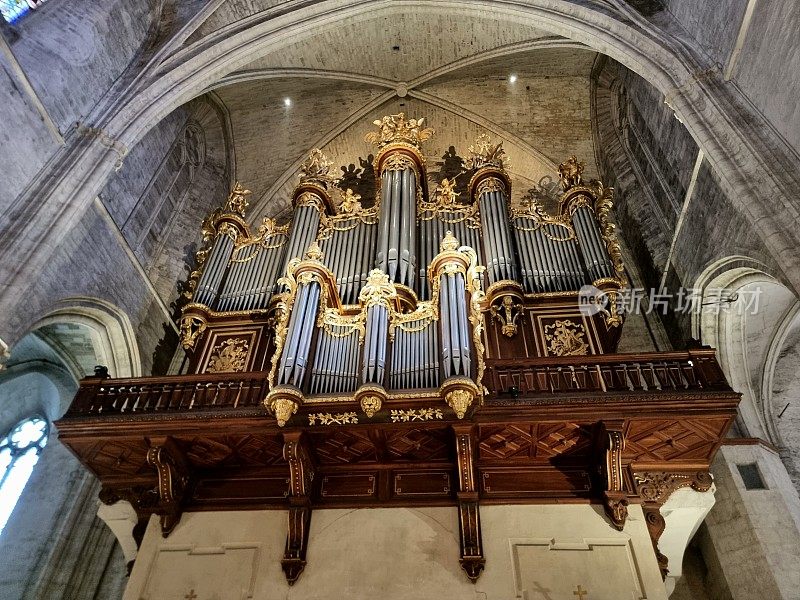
387	295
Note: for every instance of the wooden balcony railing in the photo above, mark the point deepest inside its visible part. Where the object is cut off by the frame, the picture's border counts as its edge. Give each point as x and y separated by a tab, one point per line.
181	393
609	373
695	370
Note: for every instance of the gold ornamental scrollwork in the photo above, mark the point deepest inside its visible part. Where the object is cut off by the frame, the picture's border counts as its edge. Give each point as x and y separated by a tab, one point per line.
237	200
229	356
565	338
415	414
530	209
490	184
350	214
507	313
377	290
192	326
396	128
370	397
346	418
445	207
270	235
316	168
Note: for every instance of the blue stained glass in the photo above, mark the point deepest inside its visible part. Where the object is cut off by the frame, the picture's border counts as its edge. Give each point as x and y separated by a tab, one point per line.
13	9
19	452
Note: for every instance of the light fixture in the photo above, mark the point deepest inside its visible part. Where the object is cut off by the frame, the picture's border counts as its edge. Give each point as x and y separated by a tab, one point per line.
287	102
512	78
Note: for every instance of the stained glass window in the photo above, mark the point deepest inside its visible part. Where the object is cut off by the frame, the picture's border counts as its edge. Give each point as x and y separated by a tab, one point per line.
12	10
19	452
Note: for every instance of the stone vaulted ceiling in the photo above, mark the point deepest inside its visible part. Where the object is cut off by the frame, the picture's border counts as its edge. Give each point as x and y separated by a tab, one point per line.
433	64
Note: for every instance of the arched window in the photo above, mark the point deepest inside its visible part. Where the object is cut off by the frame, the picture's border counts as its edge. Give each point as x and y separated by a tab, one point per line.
19	452
12	10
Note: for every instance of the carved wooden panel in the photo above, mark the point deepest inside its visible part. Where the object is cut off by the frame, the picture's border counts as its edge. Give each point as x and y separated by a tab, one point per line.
533	482
349	485
543	441
114	458
244	489
668	440
425	445
342	446
422	483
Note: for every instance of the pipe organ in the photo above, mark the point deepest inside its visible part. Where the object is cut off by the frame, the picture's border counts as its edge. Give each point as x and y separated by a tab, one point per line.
439	345
373	297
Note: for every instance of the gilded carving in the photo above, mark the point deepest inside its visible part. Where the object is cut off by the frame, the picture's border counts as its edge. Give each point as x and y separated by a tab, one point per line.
377	290
316	167
483	153
229	356
237	200
396	128
415	414
507	314
345	418
570	172
565	338
192	326
490	184
459	400
445	208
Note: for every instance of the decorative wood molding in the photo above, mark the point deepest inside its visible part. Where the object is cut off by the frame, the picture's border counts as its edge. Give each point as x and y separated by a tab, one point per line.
655	527
657	486
615	499
301	476
173	481
469	518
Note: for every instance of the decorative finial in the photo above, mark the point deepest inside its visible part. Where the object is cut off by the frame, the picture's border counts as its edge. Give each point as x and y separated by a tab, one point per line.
449	243
314	252
395	128
316	167
237	200
378	289
570	172
485	154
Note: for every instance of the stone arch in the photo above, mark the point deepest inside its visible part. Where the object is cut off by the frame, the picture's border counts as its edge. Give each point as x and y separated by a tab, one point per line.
111	330
748	339
749	165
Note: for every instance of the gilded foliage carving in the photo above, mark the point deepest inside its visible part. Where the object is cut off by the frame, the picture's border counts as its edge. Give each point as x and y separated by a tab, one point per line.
396	128
565	338
229	356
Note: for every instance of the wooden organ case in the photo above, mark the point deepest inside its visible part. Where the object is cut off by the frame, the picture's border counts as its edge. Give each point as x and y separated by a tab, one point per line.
418	348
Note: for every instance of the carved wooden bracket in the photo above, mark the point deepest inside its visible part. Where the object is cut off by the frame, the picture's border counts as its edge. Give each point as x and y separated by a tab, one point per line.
469	518
657	486
173	481
301	475
611	443
655	526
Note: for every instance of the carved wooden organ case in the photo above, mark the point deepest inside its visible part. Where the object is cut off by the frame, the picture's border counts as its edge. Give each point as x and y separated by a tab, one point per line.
422	347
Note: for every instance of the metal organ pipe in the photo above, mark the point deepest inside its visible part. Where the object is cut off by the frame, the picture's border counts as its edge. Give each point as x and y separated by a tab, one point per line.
298	339
455	332
498	246
595	254
374	359
210	281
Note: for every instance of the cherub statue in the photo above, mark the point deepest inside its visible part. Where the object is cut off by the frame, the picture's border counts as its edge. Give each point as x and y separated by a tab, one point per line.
446	192
350	202
570	172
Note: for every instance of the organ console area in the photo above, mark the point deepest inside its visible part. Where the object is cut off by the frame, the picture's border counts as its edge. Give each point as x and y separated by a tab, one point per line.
369	299
438	345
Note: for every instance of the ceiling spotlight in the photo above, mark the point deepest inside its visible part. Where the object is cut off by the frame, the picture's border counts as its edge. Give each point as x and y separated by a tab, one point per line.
512	78
287	102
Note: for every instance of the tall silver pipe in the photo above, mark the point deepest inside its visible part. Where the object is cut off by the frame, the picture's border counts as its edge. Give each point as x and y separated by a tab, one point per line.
382	254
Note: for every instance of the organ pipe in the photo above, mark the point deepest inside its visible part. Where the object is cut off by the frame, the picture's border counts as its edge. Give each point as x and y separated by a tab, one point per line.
387	295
